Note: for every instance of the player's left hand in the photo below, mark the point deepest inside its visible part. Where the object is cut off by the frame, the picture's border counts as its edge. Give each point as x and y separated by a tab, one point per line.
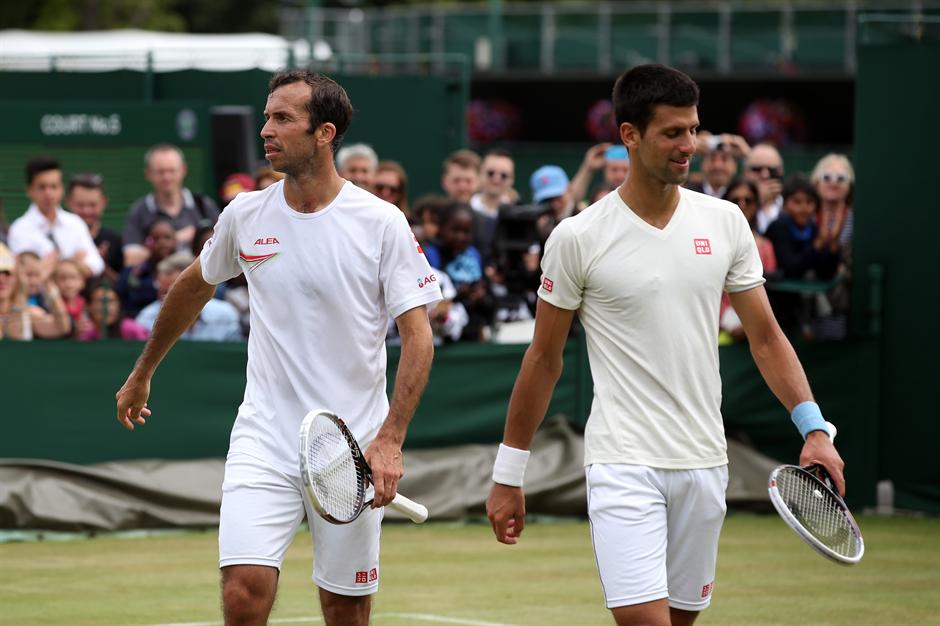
819	449
384	457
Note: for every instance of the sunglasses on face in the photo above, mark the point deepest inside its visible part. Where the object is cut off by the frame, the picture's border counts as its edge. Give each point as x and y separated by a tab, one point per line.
832	177
388	188
772	172
495	174
746	200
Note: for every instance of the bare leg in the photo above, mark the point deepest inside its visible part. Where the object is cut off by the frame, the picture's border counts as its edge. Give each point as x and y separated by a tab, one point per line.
345	610
680	617
248	594
655	613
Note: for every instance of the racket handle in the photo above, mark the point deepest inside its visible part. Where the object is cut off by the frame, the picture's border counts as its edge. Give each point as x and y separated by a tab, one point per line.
417	513
832	430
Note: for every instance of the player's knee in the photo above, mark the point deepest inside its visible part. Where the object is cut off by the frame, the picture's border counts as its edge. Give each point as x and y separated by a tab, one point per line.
246	596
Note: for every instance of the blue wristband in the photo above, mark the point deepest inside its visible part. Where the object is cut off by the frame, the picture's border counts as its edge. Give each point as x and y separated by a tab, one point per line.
807	417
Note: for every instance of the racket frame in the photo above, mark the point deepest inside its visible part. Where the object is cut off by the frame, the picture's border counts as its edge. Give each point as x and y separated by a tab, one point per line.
414	511
787	515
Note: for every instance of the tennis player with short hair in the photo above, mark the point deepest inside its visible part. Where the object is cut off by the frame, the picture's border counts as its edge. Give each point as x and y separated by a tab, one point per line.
644	268
327	263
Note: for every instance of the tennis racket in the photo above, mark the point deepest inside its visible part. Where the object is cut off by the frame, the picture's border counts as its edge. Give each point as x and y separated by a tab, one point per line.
807	501
335	473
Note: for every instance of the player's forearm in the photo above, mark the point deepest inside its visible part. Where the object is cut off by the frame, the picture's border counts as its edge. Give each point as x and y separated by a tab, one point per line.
414	366
530	397
781	369
181	307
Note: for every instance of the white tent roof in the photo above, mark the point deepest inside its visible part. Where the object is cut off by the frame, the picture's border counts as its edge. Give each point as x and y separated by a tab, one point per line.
96	51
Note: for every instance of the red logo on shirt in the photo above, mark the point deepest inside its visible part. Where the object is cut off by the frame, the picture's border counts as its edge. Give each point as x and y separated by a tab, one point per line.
707	589
702	246
417	244
427	280
362	577
266	241
547	284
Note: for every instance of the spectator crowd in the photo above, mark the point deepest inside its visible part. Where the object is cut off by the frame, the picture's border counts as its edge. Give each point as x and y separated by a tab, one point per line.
63	274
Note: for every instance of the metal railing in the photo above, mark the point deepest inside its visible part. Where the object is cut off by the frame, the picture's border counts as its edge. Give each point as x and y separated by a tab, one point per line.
705	37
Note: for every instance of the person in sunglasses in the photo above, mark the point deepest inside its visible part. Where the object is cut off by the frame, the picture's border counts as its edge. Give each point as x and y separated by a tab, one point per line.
764	167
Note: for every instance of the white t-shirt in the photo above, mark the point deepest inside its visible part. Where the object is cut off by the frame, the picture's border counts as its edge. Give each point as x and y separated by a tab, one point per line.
321	287
649	300
68	234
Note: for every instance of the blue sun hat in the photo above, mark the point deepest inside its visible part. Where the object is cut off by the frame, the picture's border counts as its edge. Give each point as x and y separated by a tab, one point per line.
549	181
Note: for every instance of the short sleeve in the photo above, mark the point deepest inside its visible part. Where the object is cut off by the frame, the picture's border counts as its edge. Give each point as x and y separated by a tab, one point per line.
746	271
562	271
407	278
219	256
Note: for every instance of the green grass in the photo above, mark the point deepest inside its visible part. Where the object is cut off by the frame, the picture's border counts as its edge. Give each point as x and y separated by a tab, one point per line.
459	573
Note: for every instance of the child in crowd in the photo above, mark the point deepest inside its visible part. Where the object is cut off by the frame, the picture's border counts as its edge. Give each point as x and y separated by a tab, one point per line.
70	281
104	313
453	252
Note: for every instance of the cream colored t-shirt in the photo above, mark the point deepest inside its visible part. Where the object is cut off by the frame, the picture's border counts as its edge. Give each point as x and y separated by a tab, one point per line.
649	300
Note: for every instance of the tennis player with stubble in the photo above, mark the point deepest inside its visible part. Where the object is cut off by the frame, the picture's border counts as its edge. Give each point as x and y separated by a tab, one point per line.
326	264
644	269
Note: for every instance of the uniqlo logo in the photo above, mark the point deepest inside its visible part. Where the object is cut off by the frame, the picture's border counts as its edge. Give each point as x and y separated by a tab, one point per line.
547	284
703	246
373	575
362	577
707	590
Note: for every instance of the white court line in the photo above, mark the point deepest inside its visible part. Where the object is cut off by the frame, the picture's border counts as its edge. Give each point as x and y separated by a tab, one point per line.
425	617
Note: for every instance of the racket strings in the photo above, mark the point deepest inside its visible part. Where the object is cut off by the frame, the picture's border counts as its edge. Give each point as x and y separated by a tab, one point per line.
335	476
818	512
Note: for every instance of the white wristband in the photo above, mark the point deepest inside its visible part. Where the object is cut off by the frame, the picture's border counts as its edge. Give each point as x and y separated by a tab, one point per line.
509	468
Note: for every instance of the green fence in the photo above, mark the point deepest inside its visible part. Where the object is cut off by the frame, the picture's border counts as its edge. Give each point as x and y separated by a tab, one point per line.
58	401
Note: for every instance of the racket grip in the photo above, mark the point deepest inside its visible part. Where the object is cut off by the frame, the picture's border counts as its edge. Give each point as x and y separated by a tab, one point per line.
832	430
417	513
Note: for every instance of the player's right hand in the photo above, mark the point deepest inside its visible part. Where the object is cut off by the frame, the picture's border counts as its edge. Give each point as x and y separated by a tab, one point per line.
506	510
132	402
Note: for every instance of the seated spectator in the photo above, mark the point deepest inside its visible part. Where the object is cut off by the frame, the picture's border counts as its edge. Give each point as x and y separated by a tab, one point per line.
14	317
47	314
743	193
720	154
834	179
460	178
614	160
427	211
764	167
137	285
391	184
448	318
357	163
86	199
803	251
46	229
218	320
551	190
266	176
497	177
166	171
105	319
453	251
233	185
68	278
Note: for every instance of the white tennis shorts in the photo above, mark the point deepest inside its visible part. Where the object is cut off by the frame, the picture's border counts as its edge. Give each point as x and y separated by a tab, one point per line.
262	509
655	532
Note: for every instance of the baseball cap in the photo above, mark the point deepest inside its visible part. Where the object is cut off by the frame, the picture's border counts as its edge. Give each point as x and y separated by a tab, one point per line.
549	181
616	153
7	262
